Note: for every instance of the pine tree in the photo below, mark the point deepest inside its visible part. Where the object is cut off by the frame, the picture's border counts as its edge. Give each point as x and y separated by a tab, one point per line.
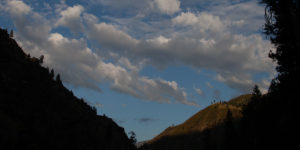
132	137
282	27
41	59
52	73
58	80
11	34
256	91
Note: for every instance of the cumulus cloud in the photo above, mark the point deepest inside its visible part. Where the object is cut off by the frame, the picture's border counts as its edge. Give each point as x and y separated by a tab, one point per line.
71	18
29	24
209	44
92	71
168	6
186	19
202	21
237	81
18	8
134	7
161	40
204	40
199	91
81	66
244	17
109	36
124	7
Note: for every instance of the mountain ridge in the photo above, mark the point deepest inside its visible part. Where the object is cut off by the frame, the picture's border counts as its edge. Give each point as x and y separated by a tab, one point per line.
209	118
38	112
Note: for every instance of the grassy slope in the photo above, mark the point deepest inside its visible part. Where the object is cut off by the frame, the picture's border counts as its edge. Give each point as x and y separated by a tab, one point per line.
207	118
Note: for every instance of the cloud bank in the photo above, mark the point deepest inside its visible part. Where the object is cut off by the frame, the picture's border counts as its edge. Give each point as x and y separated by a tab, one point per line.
79	65
122	47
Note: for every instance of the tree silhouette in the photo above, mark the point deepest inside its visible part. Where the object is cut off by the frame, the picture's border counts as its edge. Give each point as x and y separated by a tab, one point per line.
270	118
11	34
256	92
282	27
52	73
58	80
41	59
132	137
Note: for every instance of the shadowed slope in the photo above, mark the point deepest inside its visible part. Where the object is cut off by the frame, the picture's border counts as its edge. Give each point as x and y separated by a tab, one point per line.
38	112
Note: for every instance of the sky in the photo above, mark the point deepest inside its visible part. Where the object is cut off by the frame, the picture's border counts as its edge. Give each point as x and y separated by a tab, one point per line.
147	64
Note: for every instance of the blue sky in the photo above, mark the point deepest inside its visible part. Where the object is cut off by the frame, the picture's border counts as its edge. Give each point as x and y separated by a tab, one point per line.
148	64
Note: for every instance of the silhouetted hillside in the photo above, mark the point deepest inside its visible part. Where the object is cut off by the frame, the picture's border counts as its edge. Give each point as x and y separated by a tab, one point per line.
271	121
38	112
210	128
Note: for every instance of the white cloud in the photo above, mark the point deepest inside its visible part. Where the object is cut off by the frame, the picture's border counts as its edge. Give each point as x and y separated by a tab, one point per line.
168	6
238	23
127	64
78	58
81	66
90	19
244	17
186	19
206	46
161	40
199	91
202	21
134	7
207	43
18	8
29	24
142	87
71	18
109	36
242	82
124	7
204	40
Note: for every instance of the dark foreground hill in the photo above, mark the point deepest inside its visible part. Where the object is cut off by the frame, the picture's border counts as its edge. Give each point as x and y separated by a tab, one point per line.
210	128
39	113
